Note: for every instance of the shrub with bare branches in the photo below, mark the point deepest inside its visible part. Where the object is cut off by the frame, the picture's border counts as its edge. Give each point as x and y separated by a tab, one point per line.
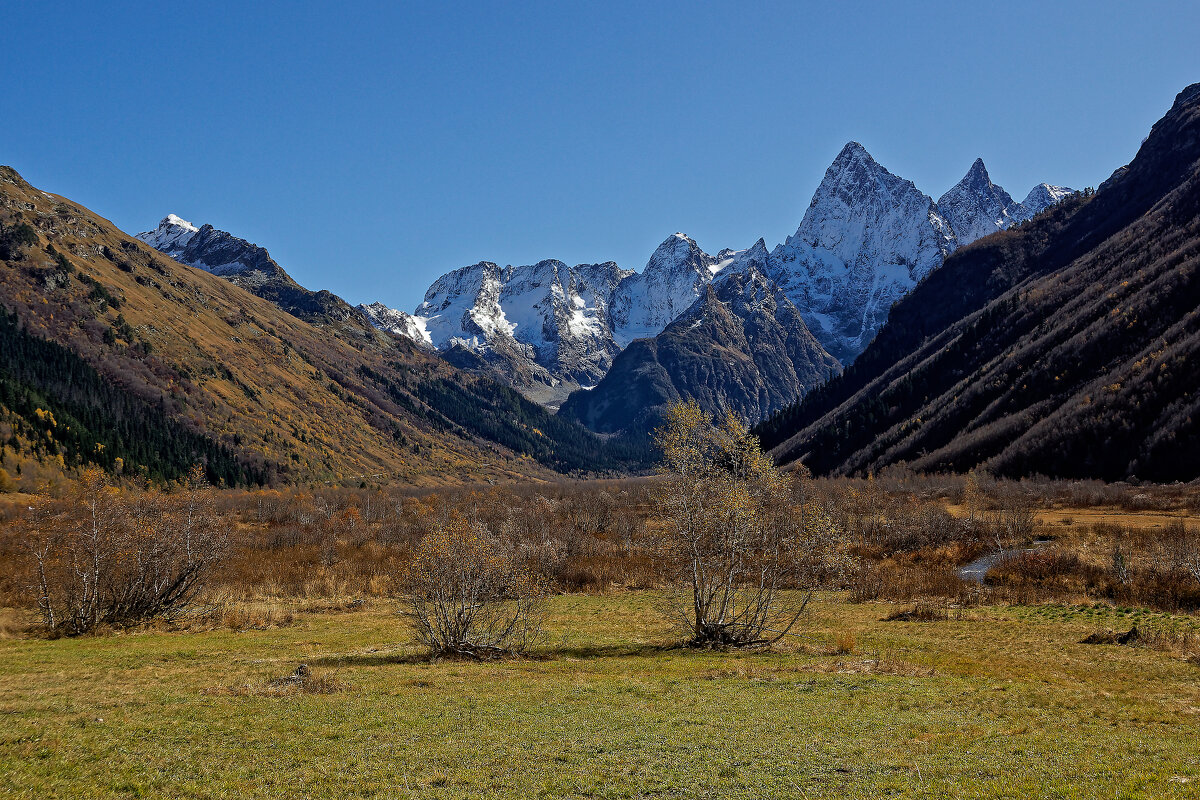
107	559
469	593
1182	548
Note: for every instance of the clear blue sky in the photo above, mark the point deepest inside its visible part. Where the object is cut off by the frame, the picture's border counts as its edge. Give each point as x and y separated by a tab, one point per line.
373	146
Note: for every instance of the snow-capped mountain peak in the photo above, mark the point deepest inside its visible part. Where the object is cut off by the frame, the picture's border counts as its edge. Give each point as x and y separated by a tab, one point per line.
646	302
679	252
1045	195
171	236
867	237
856	196
464	304
976	207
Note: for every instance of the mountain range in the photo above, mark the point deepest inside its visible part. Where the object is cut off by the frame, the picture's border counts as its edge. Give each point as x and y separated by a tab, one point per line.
548	328
867	238
554	331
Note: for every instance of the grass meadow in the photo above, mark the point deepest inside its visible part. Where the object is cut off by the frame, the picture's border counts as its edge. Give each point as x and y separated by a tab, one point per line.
994	702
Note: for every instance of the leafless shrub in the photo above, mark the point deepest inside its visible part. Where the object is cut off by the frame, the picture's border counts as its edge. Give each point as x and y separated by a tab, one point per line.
1012	523
1181	548
468	594
109	560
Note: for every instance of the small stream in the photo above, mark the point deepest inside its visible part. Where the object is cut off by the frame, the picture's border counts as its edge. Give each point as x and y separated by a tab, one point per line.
978	569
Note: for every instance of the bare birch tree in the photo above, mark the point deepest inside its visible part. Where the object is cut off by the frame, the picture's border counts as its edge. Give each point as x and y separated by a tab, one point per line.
108	559
748	553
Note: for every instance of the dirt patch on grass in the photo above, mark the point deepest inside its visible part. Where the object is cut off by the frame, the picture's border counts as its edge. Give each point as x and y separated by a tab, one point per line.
302	680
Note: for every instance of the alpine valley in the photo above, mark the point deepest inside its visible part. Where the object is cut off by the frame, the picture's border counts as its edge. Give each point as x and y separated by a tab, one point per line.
974	331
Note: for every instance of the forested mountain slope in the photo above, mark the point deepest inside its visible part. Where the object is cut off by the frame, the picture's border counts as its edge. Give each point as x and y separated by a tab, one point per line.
163	365
1067	346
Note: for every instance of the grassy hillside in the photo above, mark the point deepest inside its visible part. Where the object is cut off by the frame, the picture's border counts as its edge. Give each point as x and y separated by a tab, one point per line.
1066	347
232	376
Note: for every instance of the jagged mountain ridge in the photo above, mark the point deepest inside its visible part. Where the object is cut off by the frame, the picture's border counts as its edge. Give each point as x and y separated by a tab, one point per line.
397	323
1064	348
742	347
975	207
866	239
245	264
549	328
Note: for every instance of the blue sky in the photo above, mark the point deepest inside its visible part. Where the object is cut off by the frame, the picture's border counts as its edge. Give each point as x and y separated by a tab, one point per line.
373	146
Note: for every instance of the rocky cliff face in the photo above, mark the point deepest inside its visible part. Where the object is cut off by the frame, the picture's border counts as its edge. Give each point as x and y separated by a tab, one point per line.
867	237
975	206
397	322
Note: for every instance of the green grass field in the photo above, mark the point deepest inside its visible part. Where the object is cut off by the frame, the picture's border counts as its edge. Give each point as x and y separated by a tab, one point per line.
1005	704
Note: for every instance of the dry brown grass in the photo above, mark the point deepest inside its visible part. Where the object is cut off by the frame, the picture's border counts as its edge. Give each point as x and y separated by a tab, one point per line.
845	643
294	552
237	617
14	623
874	664
303	680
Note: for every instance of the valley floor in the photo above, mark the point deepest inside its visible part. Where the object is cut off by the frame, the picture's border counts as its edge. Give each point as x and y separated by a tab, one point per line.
1004	702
